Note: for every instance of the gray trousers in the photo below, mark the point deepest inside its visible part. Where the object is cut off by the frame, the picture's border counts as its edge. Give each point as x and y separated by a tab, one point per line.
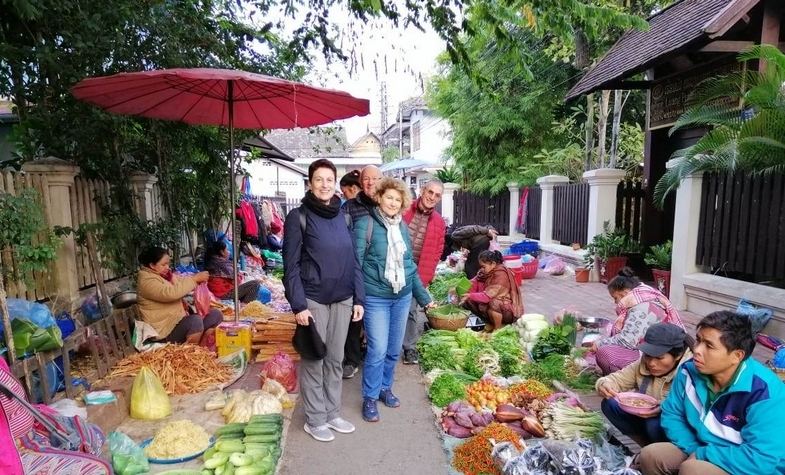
415	326
321	380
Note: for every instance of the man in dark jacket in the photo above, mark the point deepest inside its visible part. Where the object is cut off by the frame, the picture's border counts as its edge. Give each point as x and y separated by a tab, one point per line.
359	207
476	239
426	228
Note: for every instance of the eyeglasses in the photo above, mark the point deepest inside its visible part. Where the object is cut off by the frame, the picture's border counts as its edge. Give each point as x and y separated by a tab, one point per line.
371	179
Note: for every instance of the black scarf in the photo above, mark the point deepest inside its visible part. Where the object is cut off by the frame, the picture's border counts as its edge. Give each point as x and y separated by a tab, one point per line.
318	207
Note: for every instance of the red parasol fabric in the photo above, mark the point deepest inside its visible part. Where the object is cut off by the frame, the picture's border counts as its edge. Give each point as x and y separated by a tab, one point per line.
222	97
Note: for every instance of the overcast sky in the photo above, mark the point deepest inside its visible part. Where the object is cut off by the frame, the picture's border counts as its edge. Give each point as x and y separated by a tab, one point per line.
410	56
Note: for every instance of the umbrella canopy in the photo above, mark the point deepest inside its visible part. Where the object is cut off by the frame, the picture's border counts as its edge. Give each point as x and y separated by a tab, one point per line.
201	97
222	97
402	164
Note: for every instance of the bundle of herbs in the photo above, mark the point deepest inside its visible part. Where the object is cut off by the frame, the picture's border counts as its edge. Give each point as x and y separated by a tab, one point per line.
441	285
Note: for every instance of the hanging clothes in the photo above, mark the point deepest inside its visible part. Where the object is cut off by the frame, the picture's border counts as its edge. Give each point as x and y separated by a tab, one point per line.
248	217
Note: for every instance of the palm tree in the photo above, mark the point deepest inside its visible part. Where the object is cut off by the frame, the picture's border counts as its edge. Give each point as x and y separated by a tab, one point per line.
748	136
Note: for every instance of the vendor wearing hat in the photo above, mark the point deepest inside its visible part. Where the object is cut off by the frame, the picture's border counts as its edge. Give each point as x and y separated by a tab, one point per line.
664	347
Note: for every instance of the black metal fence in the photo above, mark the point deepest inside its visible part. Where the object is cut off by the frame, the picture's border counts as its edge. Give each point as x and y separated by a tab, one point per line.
630	196
742	226
471	208
571	213
531	222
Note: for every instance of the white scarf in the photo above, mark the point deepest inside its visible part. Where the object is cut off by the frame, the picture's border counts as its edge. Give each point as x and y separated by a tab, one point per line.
393	268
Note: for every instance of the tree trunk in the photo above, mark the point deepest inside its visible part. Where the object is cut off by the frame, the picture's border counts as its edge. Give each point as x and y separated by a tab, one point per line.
9	336
589	152
617	107
582	54
602	126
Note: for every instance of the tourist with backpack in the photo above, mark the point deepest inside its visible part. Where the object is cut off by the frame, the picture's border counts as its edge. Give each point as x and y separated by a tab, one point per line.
324	286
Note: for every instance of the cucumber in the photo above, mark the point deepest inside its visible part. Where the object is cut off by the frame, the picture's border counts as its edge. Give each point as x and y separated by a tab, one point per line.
230	446
250	470
240	460
217	460
230	429
262	438
208	454
262	430
266	418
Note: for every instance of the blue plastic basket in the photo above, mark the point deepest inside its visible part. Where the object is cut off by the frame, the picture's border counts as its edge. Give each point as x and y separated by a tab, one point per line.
525	247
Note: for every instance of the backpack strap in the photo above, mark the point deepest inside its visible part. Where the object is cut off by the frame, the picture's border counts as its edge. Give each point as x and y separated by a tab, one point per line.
368	233
303	212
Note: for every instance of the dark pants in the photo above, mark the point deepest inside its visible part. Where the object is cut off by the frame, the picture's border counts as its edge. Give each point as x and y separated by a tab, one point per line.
352	349
246	292
191	324
472	265
646	429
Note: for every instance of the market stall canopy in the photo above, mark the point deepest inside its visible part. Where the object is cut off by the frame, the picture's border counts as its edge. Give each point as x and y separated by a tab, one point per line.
406	163
682	25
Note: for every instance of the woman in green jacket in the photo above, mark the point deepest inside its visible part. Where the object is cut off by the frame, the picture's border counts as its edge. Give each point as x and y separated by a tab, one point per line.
390	276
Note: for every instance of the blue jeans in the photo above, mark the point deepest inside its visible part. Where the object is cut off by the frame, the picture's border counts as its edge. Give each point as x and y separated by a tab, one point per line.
648	429
385	323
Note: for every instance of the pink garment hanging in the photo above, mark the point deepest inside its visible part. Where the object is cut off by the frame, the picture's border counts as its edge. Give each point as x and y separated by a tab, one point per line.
246	213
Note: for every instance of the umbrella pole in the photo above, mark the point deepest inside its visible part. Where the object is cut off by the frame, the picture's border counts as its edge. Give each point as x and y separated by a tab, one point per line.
233	197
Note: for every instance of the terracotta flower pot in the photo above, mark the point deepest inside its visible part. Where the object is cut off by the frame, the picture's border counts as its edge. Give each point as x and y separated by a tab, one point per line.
582	274
662	279
610	267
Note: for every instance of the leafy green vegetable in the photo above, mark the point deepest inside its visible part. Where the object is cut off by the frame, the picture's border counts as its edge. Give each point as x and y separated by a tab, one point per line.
445	389
442	284
436	355
553	340
449	311
466	338
506	343
481	358
559	368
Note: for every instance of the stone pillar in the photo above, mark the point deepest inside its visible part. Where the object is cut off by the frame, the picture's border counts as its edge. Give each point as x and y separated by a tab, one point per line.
685	236
448	202
142	184
515	203
60	176
547	183
603	184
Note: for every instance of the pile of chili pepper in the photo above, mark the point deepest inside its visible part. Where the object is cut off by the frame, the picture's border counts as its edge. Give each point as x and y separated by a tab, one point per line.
523	393
473	457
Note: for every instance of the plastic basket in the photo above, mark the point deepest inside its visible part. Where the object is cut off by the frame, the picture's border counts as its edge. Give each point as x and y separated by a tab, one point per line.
525	247
513	261
529	270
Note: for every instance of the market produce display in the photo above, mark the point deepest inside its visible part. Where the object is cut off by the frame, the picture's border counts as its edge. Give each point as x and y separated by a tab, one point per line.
182	369
178	439
241	406
474	456
251	448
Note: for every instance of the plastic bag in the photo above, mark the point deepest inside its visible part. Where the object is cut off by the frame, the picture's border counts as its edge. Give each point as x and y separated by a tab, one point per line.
91	309
37	313
494	246
202	299
281	368
148	398
758	317
264	295
127	457
555	266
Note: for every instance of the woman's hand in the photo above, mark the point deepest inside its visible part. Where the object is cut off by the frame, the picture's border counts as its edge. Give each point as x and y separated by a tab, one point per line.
357	313
302	317
654	413
607	390
201	277
430	305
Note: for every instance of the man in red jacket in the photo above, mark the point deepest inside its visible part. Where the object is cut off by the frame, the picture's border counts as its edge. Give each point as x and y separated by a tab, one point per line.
426	228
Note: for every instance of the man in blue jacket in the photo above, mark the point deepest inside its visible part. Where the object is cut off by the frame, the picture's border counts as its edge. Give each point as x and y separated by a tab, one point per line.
725	412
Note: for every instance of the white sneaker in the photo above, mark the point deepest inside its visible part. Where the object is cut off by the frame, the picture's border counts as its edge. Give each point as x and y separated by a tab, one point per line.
341	425
321	433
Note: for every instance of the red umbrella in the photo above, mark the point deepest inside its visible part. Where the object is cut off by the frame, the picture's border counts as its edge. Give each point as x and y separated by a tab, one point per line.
220	97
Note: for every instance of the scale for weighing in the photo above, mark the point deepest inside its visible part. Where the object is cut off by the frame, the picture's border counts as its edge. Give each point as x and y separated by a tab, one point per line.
591	329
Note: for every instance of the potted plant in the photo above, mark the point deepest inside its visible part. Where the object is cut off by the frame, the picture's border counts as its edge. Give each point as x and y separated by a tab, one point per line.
607	251
659	258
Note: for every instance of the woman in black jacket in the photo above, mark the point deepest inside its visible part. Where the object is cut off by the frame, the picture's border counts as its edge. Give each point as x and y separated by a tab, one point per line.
324	285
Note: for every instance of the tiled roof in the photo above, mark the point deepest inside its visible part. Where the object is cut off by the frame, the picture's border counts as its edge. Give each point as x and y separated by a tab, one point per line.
669	30
314	143
412	104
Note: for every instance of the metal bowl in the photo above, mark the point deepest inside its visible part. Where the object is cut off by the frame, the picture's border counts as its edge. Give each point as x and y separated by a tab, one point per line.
592	322
124	299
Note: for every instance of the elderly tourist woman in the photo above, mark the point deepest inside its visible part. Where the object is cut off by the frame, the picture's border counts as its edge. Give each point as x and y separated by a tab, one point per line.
160	299
221	282
494	295
390	276
665	346
638	307
323	284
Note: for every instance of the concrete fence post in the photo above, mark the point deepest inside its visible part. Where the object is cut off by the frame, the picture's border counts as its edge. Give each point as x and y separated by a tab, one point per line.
142	184
60	175
515	203
547	183
603	183
685	236
448	202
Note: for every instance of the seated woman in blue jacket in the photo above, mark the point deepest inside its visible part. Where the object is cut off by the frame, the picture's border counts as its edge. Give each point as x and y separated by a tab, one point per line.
384	251
725	411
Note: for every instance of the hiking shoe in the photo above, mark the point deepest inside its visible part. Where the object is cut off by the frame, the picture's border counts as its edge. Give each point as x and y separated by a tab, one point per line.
321	433
370	411
388	398
349	371
410	357
339	424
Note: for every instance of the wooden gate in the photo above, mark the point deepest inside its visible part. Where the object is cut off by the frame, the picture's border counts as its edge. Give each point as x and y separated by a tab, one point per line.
630	196
571	213
533	212
471	208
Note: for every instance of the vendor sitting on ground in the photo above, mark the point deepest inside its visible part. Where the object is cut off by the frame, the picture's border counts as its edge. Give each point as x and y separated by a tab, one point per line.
664	348
221	282
494	295
160	294
725	411
638	307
